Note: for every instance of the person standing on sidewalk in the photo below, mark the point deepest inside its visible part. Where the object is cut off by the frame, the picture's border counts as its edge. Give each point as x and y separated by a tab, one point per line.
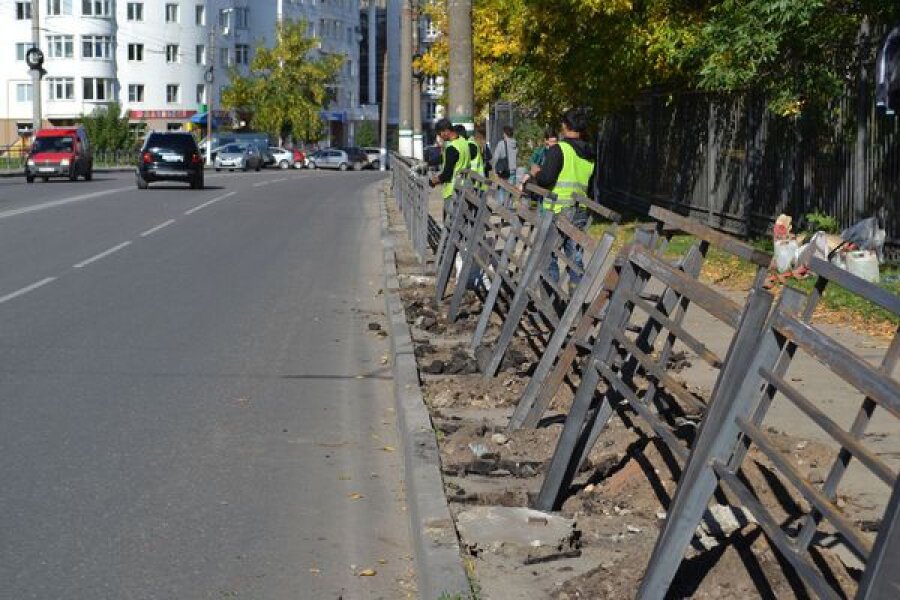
568	168
454	158
505	160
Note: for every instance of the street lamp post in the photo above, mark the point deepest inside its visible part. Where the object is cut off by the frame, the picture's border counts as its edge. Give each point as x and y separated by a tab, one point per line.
209	77
34	58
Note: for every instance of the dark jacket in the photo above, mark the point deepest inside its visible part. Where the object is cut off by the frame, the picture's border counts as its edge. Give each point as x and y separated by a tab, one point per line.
553	163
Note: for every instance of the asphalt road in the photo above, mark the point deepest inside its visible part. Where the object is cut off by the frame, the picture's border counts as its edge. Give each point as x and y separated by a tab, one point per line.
192	404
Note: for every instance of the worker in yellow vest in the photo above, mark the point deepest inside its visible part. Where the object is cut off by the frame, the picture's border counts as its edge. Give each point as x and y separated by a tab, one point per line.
567	169
455	157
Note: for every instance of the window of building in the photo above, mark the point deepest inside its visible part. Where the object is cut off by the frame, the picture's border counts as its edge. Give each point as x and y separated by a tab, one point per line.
242	18
59	7
172	93
201	54
225	57
23	92
242	54
201	93
96	46
97	89
135	92
225	20
22	48
137	130
135	11
95	8
171	13
172	53
23	10
60	46
136	52
200	15
62	88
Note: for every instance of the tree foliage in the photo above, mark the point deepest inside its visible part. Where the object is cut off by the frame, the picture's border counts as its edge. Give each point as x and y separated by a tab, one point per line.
602	54
107	128
287	86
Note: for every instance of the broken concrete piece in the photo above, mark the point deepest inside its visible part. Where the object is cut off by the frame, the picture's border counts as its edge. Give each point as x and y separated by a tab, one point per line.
515	526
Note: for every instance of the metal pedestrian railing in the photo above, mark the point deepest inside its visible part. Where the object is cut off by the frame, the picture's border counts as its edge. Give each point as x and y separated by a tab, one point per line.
735	423
412	192
610	325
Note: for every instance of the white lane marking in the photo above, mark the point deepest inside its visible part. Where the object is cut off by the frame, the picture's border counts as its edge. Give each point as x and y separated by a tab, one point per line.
103	254
27	289
205	204
153	230
54	203
282	179
261	183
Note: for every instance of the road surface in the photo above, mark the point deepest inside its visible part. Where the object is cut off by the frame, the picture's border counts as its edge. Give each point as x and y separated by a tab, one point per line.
192	403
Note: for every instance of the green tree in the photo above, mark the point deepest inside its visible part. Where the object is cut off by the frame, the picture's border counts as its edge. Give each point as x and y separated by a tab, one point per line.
108	128
366	135
287	86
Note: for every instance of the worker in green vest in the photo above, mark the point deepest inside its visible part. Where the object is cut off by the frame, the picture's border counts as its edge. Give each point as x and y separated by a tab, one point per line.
567	169
455	157
476	158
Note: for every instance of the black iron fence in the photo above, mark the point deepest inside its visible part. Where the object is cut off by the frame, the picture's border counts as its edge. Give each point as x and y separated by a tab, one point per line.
730	163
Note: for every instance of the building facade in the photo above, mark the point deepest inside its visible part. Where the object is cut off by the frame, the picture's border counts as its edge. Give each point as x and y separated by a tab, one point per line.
151	56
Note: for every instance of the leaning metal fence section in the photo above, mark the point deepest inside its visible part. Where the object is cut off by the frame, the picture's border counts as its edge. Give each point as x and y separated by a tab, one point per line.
412	193
736	422
555	368
621	361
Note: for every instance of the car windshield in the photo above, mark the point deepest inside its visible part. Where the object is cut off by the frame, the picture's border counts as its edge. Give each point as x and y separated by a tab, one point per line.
53	144
233	149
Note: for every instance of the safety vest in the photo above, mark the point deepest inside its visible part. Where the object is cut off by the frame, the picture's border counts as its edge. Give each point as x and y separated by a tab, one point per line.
573	178
463	162
477	165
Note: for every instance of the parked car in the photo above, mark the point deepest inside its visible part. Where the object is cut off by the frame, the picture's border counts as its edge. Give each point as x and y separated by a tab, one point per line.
358	157
374	155
299	158
60	152
332	158
238	156
283	158
170	156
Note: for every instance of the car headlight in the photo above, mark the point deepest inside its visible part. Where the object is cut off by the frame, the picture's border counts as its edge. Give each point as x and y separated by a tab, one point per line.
64	162
30	162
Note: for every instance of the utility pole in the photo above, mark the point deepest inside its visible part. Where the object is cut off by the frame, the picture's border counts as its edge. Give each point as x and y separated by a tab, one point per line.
461	92
210	78
384	110
406	134
416	91
36	113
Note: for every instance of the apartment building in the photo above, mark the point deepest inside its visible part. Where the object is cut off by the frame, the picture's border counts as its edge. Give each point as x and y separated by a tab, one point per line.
151	56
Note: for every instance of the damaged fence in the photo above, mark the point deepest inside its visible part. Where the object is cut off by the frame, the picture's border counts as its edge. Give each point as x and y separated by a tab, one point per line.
605	324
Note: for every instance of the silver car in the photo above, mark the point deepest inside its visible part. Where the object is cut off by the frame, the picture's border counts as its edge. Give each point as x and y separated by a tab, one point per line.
238	156
331	158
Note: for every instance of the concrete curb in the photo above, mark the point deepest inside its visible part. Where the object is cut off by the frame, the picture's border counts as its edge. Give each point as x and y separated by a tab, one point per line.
439	567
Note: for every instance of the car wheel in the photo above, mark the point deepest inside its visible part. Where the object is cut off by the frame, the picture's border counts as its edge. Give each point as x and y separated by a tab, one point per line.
46	179
283	164
29	179
343	167
376	164
312	165
141	182
89	175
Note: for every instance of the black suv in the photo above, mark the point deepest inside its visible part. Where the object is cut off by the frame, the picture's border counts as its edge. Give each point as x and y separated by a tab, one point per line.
170	156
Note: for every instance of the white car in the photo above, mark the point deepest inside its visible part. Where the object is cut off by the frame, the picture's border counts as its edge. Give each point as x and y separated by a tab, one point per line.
284	159
375	157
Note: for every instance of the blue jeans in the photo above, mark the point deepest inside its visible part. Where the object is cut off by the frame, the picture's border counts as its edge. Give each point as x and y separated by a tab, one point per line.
503	197
579	218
